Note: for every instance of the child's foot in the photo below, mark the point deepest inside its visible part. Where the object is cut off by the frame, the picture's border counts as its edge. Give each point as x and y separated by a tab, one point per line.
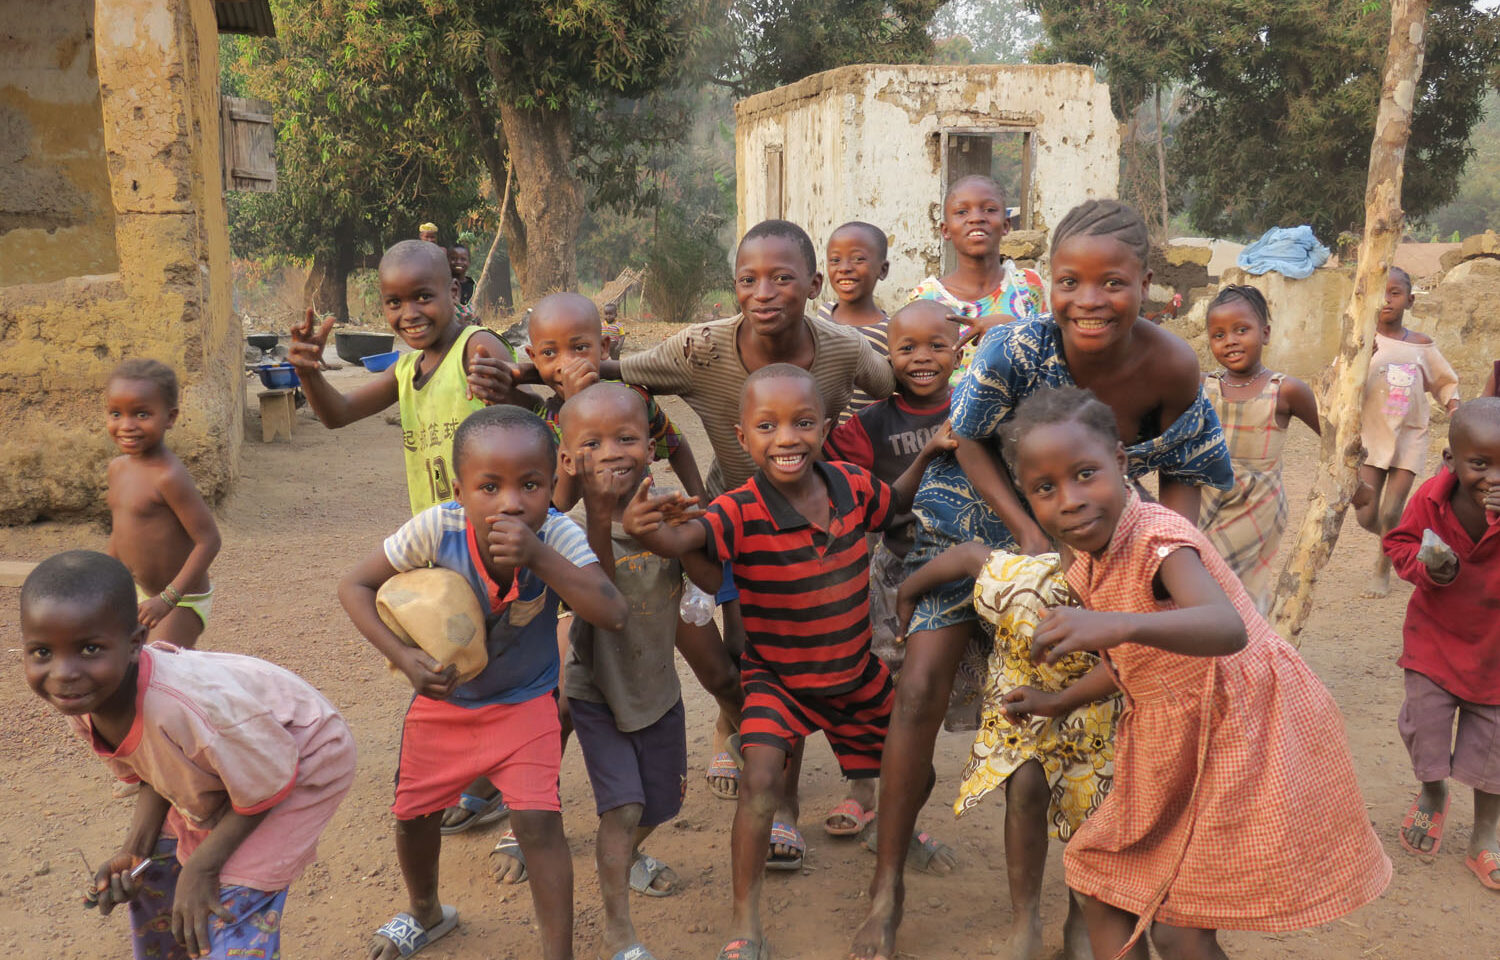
787	846
651	877
876	937
723	776
507	862
925	853
1025	940
847	819
1422	829
405	934
1380	583
1484	861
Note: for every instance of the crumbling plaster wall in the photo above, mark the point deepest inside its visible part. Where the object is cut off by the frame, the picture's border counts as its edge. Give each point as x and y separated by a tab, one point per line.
157	69
863	143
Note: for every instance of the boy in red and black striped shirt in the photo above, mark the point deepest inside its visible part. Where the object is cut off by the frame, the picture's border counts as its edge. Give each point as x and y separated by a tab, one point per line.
796	535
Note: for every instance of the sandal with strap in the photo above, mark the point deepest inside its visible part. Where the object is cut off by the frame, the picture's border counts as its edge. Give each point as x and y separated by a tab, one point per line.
1432	824
510	847
410	937
785	835
848	819
1484	867
723	767
745	950
643	873
481	812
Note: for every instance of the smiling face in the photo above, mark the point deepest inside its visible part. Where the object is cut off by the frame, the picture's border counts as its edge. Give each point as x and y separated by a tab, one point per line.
606	426
1098	284
772	283
1236	335
782	426
564	327
78	655
855	264
505	471
1074	480
974	218
136	415
922	345
1473	455
458	261
416	293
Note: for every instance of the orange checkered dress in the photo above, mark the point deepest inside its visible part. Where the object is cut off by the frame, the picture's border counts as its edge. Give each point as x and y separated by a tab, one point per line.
1234	803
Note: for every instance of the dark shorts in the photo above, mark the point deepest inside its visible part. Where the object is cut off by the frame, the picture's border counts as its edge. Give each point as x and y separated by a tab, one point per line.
646	766
855	722
1469	754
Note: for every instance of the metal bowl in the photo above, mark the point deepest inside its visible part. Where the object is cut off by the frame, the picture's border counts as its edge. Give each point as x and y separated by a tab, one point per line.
354	345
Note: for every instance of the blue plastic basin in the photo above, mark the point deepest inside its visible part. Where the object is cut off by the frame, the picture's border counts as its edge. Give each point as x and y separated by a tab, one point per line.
377	362
278	376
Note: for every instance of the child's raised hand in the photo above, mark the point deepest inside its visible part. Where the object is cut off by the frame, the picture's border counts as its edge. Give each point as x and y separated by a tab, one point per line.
427	678
1492	503
603	487
1066	630
942	441
490	378
196	899
309	338
576	374
1439	559
1023	702
151	611
645	513
112	883
512	543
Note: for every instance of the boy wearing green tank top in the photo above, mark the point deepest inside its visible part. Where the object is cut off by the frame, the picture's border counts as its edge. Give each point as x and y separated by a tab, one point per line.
452	370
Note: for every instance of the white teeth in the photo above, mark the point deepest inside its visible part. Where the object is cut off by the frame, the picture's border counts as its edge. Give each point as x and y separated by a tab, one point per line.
1092	324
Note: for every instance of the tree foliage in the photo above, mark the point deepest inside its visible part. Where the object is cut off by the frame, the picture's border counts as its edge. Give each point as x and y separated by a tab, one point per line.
1476	207
985	31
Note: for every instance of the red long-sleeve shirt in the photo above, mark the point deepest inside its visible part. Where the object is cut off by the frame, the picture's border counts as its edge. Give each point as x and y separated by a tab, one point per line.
1452	631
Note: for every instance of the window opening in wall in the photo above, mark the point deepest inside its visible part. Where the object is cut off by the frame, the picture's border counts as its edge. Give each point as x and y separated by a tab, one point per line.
775	184
1004	155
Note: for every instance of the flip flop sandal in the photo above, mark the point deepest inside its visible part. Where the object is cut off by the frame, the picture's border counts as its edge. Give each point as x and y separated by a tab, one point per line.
745	950
920	853
481	812
784	835
509	846
643	873
722	767
850	810
410	937
1431	823
634	952
1483	866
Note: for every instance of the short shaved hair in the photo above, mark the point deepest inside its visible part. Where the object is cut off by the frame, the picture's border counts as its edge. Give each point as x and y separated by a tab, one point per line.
783	371
418	253
84	577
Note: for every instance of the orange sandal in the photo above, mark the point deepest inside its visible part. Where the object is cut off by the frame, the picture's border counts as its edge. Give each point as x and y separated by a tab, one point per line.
852	811
1485	866
1432	825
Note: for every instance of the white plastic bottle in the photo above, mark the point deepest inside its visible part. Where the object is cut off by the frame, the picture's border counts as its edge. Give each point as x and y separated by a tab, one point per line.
697	607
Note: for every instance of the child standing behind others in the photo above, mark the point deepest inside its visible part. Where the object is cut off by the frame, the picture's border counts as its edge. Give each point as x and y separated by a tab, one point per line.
795	534
1255	405
520	558
1450	646
856	258
241	764
1231	743
160	528
1405	368
622	685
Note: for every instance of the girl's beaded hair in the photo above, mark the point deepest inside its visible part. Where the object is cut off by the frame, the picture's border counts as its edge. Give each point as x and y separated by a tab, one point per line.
1251	296
1054	405
1105	218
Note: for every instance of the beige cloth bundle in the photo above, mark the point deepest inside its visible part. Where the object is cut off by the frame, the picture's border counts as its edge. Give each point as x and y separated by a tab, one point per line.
435	608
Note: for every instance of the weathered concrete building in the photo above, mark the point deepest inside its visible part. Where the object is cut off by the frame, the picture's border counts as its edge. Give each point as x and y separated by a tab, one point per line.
113	237
882	143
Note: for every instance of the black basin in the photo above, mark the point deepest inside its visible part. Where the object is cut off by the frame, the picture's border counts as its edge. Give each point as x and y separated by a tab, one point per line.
262	341
354	346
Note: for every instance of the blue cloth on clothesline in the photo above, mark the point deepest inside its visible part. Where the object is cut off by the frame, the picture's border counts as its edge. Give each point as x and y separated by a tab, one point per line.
1290	251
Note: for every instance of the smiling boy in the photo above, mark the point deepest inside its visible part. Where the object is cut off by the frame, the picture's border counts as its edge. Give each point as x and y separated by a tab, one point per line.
856	259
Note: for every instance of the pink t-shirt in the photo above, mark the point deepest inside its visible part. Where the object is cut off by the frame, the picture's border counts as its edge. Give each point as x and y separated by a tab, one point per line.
215	731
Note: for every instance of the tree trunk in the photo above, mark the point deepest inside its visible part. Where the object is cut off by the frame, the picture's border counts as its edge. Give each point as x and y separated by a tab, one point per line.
493	286
549	196
492	150
327	287
1339	465
1161	167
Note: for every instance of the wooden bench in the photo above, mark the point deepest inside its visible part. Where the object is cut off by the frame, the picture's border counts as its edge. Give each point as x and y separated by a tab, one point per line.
278	409
14	572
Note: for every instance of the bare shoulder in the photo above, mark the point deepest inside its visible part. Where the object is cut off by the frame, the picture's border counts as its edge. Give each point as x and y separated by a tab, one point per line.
487	337
170	471
1417	337
1171	362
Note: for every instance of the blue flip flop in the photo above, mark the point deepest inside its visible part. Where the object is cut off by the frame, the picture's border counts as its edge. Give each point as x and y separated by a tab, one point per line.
481	812
410	937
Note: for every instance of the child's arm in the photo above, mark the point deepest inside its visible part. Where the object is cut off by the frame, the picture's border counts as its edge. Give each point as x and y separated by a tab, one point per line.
992	482
333	408
1205	623
685	465
1403	545
1298	400
960	562
490	375
1442	380
112	883
1098	684
357	594
904	489
587	590
182	496
197	895
646	519
1180	389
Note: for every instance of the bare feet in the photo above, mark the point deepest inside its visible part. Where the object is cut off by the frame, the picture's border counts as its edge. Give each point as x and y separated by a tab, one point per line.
1380	582
1025	940
876	937
1076	944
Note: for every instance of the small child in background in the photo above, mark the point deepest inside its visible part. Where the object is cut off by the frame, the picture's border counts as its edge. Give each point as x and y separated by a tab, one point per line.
622	686
451	371
428	232
886	437
241	764
160	528
1448	545
614	336
1230	738
856	259
796	536
567	346
1255	405
520	557
1405	368
458	262
984	287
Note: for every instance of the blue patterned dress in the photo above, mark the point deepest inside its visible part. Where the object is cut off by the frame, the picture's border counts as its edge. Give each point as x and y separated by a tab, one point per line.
1012	363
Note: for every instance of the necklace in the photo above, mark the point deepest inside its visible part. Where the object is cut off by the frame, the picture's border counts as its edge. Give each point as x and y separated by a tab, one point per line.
1225	378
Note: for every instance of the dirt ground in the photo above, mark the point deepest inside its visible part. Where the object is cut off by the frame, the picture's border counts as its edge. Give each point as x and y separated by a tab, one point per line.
303	513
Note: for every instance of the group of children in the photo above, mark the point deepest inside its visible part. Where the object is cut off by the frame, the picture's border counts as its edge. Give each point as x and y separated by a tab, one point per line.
927	516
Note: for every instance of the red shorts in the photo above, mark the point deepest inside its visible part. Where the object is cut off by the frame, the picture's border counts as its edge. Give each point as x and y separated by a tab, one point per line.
445	747
855	722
